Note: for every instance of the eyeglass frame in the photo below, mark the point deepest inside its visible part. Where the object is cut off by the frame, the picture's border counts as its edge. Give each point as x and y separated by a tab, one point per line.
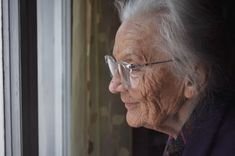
130	67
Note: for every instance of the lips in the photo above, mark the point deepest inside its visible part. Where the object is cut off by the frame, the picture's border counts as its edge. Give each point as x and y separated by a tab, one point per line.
129	102
130	105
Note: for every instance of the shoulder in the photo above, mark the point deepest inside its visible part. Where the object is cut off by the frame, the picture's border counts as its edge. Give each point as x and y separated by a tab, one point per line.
214	133
224	140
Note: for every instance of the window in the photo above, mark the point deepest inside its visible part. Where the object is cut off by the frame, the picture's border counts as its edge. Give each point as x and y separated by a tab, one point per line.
2	147
54	77
56	100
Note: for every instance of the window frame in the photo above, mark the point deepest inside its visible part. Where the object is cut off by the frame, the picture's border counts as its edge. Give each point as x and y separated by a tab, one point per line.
12	78
2	140
54	77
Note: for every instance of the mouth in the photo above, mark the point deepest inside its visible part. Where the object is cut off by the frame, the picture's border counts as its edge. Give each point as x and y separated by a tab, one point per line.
130	105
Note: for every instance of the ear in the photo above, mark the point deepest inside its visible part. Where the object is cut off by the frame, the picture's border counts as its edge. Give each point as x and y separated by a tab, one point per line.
191	89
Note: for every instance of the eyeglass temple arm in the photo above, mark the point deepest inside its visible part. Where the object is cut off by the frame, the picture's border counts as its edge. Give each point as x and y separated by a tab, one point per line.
158	62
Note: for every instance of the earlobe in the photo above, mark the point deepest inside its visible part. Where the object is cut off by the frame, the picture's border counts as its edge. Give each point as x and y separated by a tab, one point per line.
189	89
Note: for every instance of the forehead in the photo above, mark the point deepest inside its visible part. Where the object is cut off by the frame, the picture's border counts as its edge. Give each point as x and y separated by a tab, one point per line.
135	38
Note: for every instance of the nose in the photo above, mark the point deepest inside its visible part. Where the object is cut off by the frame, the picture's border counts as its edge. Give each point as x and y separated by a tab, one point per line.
115	85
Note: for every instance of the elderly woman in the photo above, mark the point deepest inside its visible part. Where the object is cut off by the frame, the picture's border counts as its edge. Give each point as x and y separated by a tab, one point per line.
166	66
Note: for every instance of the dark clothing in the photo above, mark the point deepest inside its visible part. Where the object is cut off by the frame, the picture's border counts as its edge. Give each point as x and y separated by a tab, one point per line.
212	131
174	147
215	135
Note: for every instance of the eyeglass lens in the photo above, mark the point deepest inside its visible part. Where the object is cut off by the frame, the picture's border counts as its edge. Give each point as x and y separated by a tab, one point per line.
112	66
124	73
122	70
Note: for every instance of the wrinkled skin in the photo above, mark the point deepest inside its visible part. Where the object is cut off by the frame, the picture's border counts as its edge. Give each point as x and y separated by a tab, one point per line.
157	95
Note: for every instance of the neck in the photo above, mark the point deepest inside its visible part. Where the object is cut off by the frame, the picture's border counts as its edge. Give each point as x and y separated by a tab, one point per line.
173	124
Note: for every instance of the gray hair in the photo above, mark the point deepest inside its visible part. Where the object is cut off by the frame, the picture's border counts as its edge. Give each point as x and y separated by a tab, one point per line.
184	32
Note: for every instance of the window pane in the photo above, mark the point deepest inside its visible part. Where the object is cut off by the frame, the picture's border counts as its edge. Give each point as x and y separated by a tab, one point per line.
53	77
2	149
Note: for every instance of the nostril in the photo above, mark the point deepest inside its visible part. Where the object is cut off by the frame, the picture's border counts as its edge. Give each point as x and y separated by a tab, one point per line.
116	86
113	86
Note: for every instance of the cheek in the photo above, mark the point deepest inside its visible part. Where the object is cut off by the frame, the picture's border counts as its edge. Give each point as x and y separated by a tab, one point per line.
159	94
134	82
165	90
147	91
143	88
172	94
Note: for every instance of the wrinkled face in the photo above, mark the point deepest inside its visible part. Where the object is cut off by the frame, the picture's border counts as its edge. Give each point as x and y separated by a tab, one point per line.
155	91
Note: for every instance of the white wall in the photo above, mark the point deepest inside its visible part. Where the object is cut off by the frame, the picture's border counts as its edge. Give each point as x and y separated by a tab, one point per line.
1	90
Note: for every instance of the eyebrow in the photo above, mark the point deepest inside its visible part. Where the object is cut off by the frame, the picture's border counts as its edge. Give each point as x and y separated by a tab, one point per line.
131	56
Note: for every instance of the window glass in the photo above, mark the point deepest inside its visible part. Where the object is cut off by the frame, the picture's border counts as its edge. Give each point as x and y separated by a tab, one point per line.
1	91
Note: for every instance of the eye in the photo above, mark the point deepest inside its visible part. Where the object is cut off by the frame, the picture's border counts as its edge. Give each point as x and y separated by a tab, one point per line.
134	70
133	67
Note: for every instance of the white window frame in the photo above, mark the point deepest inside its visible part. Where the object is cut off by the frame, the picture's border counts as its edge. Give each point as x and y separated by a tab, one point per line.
54	77
2	142
53	92
12	75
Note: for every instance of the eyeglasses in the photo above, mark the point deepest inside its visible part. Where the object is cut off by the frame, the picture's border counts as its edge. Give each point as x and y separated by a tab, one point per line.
124	69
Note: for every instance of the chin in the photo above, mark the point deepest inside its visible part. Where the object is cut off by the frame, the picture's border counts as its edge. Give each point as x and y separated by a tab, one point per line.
134	120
